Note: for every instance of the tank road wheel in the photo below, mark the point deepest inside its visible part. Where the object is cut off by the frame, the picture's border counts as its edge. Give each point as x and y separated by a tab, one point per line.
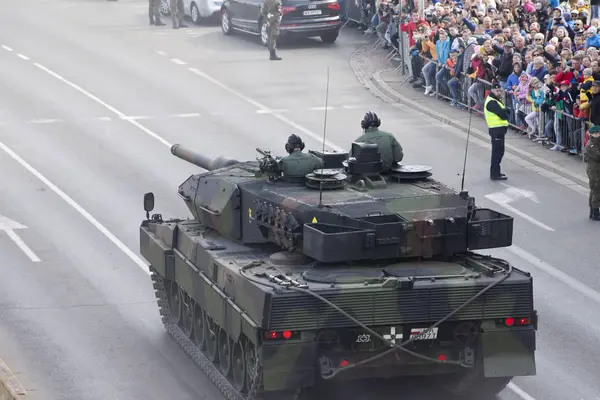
187	313
251	362
199	327
175	303
238	365
224	352
211	338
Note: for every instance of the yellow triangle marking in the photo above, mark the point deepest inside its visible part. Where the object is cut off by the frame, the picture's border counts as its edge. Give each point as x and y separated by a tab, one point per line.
314	220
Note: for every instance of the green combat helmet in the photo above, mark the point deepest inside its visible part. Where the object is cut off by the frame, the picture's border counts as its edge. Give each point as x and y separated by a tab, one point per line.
275	286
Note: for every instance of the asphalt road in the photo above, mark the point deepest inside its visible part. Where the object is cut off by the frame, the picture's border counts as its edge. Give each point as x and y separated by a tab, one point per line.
91	97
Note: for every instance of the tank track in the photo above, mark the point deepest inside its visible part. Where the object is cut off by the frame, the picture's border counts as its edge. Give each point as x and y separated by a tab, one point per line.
206	366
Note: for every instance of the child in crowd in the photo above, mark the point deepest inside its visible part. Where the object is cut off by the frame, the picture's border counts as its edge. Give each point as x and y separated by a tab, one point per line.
536	97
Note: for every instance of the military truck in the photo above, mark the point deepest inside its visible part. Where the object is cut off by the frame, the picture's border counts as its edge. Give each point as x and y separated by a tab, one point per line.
278	285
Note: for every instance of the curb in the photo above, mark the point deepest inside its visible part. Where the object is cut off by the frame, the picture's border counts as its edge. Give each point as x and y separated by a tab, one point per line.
10	387
382	86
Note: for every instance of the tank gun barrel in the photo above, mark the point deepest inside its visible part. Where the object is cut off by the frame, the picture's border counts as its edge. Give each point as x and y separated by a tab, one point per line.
199	160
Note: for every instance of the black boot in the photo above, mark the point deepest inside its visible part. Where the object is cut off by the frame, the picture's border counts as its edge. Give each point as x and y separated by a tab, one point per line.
274	55
158	22
591	212
151	21
596	214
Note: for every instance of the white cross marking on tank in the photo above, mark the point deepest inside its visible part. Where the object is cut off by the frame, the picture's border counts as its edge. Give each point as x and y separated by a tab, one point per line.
393	335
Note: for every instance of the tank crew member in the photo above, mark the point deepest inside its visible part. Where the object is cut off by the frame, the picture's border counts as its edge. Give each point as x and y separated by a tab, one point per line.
496	117
389	148
154	13
297	164
177	14
271	12
592	158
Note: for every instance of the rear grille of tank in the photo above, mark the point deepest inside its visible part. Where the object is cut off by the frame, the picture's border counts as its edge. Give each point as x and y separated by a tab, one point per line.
395	307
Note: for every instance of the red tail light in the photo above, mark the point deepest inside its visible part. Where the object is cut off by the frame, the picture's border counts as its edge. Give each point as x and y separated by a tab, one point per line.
287	10
334	6
510	321
273	335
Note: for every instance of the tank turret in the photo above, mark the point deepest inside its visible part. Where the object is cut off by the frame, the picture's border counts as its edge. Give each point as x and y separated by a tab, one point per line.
370	216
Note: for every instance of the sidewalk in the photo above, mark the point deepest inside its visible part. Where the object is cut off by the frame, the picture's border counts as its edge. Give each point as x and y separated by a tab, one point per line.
377	74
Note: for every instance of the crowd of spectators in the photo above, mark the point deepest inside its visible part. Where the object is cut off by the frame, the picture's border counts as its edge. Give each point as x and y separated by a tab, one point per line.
545	54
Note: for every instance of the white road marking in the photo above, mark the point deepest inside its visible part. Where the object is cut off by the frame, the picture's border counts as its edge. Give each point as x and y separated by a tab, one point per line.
321	108
190	115
135	117
526	217
102	119
261	111
161	53
44	121
22	56
137	260
360	106
519	392
178	61
102	103
556	273
5	47
265	108
8	226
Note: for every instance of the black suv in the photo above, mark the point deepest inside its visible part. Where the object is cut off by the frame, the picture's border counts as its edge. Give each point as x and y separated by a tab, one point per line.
301	18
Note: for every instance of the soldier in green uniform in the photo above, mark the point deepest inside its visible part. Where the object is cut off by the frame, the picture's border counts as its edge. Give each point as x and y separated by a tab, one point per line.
177	14
592	158
154	12
271	12
389	148
297	164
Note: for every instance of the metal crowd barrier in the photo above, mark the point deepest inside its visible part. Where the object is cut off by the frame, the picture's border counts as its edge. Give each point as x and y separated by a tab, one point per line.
546	127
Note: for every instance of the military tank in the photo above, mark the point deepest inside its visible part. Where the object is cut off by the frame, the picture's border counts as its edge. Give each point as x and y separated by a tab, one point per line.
278	286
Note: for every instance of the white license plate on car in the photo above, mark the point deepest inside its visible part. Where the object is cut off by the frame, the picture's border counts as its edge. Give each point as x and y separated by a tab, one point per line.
313	12
432	334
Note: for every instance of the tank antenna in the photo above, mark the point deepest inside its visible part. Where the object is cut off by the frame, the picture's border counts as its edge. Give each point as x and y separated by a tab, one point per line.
462	184
324	133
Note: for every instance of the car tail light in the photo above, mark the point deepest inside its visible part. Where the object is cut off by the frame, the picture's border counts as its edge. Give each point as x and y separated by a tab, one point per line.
334	6
287	10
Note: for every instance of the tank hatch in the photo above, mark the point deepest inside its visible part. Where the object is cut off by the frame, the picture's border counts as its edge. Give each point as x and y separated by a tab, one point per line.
325	179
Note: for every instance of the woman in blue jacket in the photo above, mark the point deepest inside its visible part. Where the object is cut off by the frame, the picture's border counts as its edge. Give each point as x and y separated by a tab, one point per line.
442	47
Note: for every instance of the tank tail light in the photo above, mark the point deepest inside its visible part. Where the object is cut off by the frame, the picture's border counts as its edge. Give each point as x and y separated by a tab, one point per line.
519	321
442	357
281	335
344	363
334	6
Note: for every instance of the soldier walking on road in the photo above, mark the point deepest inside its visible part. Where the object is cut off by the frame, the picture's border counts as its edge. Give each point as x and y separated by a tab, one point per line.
177	14
154	12
271	13
496	117
592	158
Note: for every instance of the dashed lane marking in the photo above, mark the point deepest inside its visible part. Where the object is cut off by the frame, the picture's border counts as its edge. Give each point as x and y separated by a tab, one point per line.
161	53
45	121
104	104
178	61
5	47
22	56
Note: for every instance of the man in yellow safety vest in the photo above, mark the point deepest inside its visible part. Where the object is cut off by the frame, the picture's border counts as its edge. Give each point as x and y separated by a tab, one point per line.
496	117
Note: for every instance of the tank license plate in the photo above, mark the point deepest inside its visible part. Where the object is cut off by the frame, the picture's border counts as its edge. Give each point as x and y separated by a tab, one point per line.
312	12
432	334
